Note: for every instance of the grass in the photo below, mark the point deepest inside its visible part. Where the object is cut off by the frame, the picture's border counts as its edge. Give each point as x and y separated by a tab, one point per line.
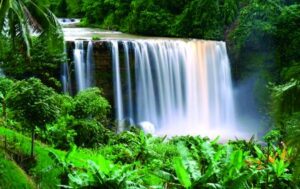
44	172
12	176
40	172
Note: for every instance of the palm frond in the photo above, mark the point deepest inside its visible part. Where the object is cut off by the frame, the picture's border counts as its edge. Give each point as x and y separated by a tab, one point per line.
23	29
25	17
4	6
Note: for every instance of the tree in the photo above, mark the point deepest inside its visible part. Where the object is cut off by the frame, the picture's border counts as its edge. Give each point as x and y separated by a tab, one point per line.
34	104
17	17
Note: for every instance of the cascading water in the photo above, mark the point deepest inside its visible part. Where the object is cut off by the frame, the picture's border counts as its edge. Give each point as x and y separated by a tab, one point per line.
129	104
83	65
181	87
89	66
79	62
117	85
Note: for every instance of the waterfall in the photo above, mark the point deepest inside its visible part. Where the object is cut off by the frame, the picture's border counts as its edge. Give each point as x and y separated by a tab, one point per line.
180	87
89	66
83	65
173	87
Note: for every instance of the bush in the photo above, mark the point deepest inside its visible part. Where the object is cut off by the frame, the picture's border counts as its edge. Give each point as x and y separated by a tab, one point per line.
66	104
90	104
60	133
81	121
90	133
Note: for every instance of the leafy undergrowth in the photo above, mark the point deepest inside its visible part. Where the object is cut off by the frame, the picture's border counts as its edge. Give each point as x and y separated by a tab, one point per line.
135	160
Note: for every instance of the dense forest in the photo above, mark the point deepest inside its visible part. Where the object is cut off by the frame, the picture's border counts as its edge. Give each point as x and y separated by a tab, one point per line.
49	139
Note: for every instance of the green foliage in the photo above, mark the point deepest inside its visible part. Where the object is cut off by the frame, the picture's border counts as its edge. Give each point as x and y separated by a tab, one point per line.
158	20
89	104
198	21
287	39
5	85
33	103
74	8
102	174
40	174
44	63
12	176
272	137
90	133
183	162
59	7
263	37
256	24
285	109
66	104
77	121
265	41
64	163
293	140
60	133
17	17
95	38
185	18
284	100
182	174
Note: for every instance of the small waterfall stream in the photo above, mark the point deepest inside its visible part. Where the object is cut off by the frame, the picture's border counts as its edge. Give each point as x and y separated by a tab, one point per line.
83	68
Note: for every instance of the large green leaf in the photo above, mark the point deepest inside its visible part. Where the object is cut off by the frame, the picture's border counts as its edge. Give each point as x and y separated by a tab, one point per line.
182	174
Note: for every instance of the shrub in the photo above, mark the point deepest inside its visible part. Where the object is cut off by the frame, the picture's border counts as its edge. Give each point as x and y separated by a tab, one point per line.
60	133
90	133
66	104
90	104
